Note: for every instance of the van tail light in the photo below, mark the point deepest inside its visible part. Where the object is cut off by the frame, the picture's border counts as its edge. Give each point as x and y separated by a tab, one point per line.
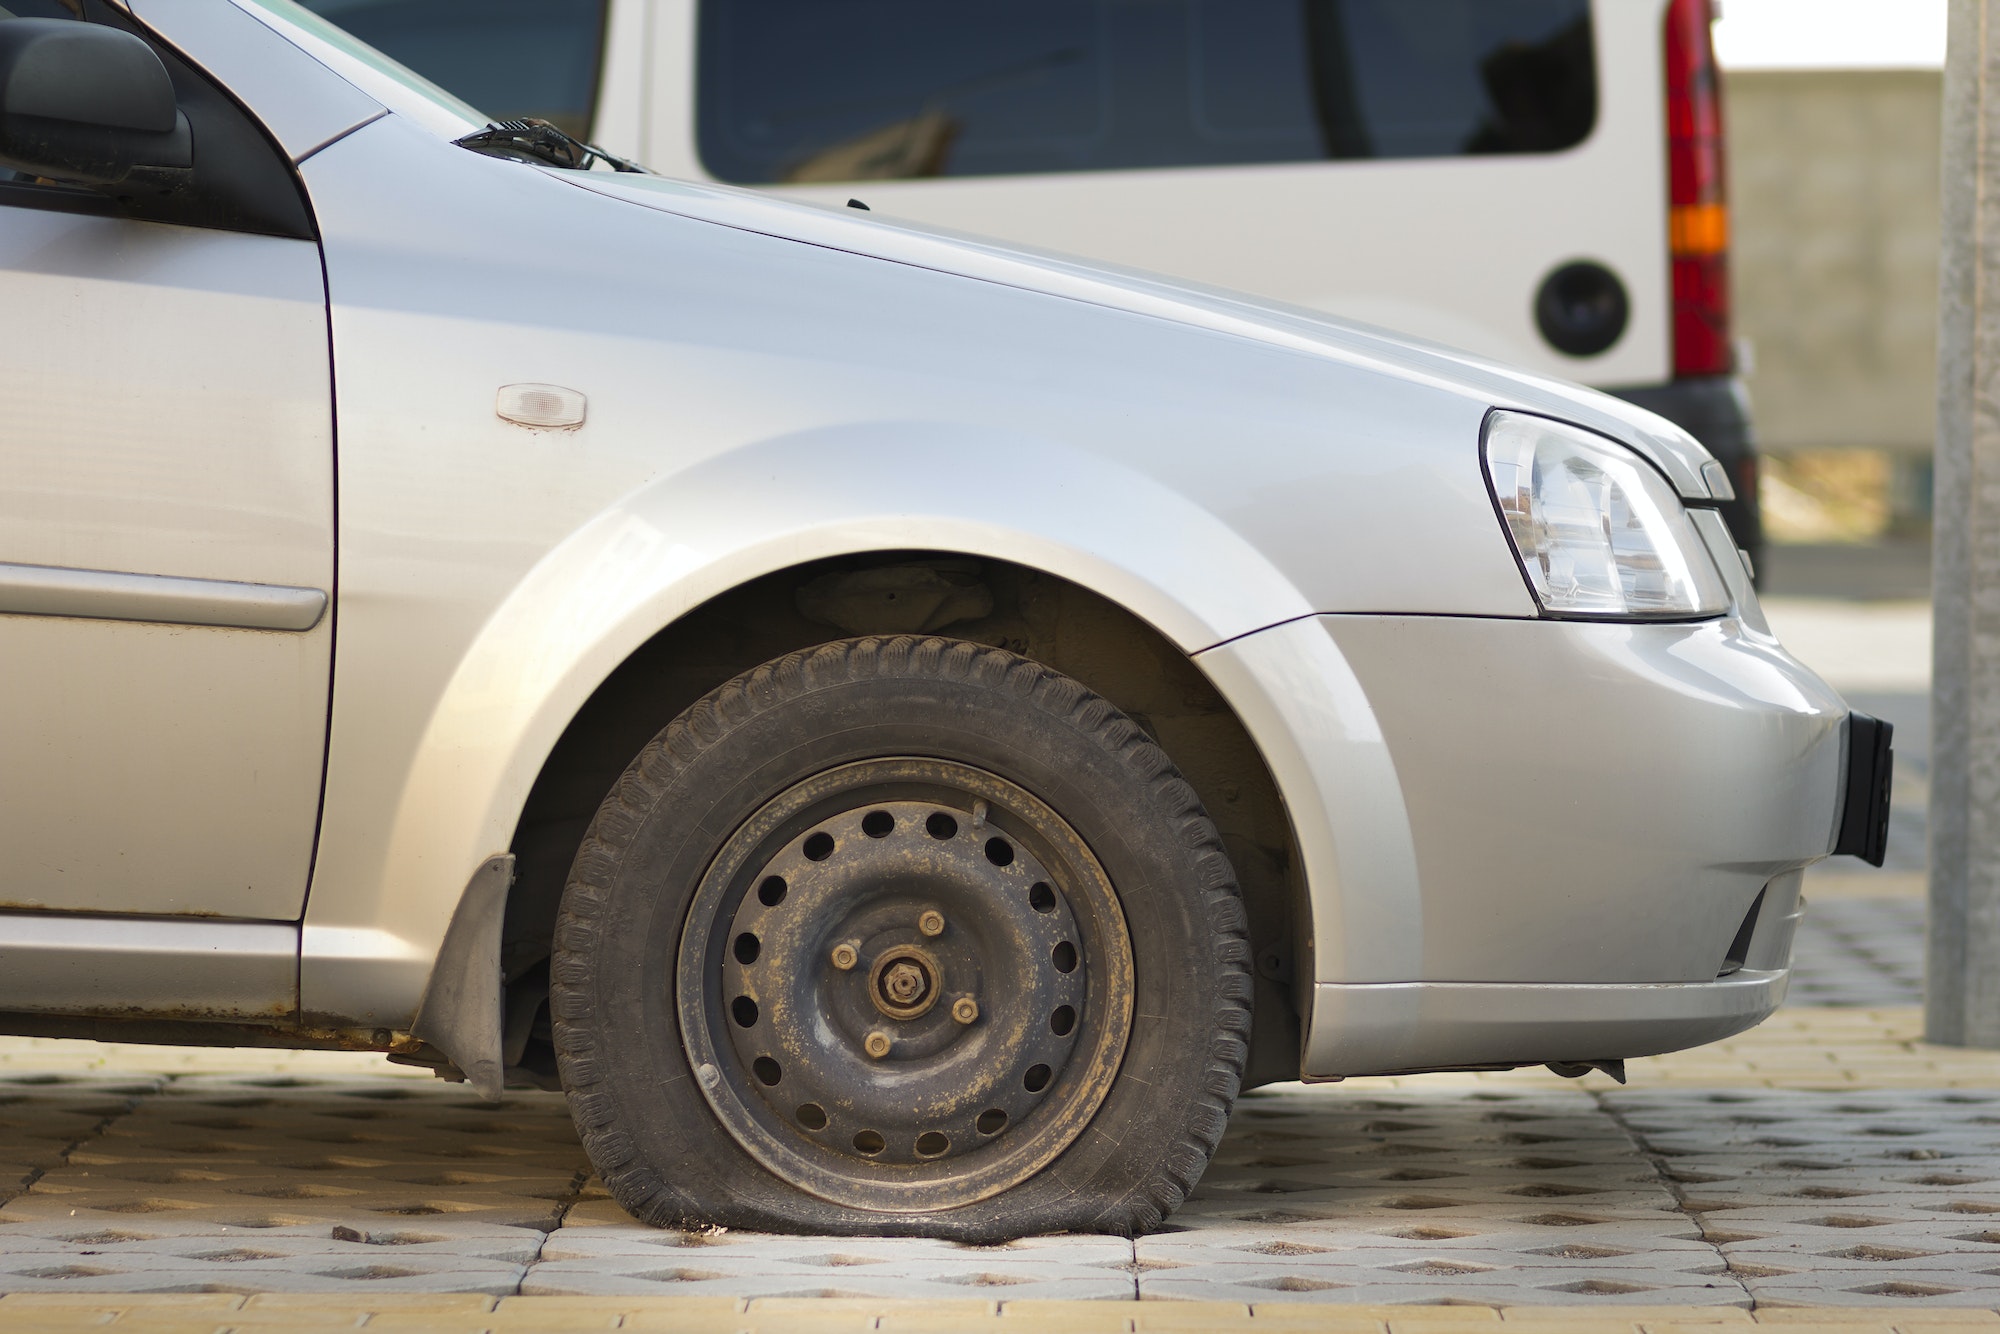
1698	220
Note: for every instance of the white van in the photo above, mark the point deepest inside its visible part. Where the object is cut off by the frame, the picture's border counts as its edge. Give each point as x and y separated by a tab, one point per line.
1538	181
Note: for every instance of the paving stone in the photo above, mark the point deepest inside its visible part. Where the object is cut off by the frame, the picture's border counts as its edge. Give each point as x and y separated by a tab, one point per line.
1575	1318
362	1300
515	1246
764	1279
53	1205
612	1307
939	1313
1907	1234
17	1307
1604	1270
1694	1258
1587	1247
157	1227
666	1246
1280	1284
1868	1262
1424	1213
1911	1239
430	1274
1907	1288
247	1267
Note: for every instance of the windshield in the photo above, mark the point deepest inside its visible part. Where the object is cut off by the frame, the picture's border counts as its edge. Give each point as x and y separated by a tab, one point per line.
375	61
513	59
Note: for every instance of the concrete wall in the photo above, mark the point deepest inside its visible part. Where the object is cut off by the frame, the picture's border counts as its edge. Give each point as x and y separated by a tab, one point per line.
1834	184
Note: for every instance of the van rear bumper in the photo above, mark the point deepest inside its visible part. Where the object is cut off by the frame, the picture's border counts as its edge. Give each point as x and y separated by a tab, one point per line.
1715	410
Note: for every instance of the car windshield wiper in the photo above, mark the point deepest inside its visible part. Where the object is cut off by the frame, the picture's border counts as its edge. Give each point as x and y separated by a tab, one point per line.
540	142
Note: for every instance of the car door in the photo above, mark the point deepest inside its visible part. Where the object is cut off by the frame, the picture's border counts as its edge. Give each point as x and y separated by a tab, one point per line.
166	532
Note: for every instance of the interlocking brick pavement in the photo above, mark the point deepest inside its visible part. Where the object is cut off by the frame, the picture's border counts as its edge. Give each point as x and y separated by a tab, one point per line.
221	1314
1860	952
1502	1190
1826	1165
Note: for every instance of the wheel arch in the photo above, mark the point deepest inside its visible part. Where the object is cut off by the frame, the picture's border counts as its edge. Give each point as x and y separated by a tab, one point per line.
1055	620
643	571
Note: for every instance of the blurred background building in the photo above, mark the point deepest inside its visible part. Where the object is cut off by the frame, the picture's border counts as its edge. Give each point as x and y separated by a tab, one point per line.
1834	112
1834	178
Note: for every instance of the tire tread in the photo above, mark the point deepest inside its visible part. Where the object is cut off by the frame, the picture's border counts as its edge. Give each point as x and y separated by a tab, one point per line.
1176	1165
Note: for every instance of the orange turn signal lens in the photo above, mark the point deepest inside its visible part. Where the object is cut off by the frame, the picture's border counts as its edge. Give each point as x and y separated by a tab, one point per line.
1698	229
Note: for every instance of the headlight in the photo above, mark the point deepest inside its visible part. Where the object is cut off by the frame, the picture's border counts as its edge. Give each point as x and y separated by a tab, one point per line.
1599	532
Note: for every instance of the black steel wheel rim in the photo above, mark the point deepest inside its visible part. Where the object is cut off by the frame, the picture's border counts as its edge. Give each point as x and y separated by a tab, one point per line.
905	984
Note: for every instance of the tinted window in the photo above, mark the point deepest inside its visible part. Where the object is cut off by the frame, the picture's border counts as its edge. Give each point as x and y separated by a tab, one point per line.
824	90
509	58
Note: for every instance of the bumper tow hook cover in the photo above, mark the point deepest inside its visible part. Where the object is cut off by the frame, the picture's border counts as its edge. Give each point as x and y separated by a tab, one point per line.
1864	818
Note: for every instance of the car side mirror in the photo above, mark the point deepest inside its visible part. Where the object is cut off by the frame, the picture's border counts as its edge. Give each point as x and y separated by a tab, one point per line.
88	105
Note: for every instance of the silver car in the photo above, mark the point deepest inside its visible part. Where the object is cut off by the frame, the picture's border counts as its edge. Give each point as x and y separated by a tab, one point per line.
902	729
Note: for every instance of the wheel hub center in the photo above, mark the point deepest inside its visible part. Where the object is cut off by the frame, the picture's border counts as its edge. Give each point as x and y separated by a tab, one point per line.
905	982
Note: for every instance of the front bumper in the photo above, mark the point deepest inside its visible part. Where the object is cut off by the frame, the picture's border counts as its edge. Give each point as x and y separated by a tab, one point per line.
1413	1027
1529	841
1595	804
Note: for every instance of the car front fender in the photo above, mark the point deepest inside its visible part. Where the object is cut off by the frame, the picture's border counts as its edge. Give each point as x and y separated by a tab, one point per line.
374	928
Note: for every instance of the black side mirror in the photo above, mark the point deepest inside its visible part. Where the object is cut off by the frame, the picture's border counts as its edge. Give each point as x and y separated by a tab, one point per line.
88	105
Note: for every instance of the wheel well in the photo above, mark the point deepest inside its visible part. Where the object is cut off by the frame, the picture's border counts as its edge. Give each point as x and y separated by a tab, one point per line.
1056	622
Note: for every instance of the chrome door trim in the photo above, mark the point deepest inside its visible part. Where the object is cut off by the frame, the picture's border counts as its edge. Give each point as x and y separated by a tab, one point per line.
110	595
167	967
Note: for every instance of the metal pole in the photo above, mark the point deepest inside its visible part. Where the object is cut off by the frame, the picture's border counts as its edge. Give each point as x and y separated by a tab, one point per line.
1962	1003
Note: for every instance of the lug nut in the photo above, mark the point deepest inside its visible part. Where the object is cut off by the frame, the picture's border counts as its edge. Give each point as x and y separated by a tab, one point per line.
965	1009
845	957
931	923
877	1044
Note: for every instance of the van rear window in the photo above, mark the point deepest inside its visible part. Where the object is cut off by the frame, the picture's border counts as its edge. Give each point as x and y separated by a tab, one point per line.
846	90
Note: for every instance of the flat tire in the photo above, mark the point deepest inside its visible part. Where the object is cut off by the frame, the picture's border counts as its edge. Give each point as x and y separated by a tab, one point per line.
901	936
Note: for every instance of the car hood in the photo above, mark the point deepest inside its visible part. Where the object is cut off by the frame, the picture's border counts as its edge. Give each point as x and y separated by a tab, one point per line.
1674	451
